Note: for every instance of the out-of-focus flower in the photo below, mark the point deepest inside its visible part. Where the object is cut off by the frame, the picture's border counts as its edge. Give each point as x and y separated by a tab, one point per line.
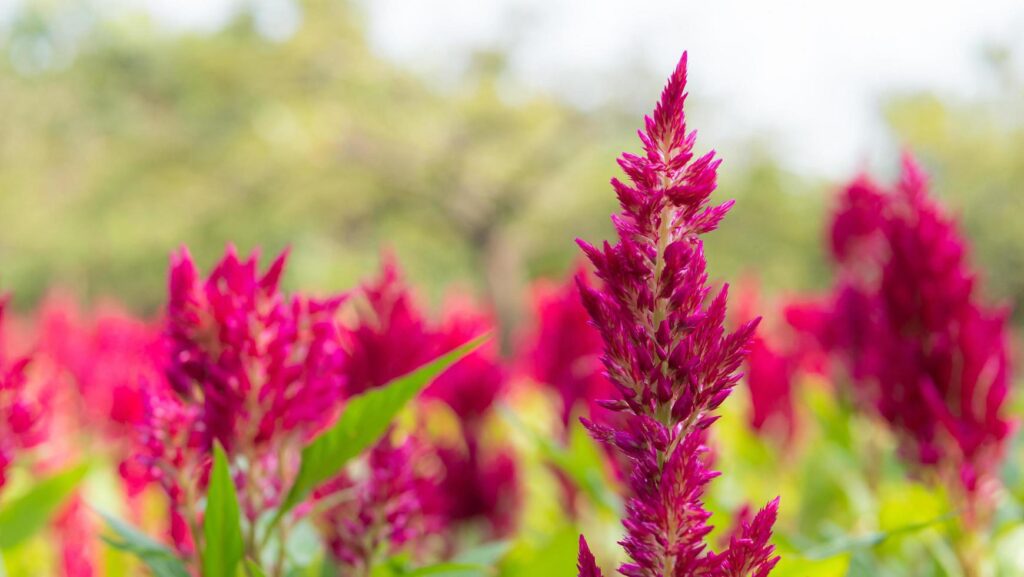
380	507
261	365
76	533
667	352
21	414
563	349
105	357
247	367
390	338
472	482
914	334
479	482
471	386
770	377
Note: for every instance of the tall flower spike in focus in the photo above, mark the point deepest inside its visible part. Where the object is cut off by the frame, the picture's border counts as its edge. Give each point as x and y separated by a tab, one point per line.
668	354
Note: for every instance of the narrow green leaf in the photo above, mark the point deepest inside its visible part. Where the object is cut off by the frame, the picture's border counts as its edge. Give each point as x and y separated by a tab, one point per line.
363	421
222	528
160	560
21	517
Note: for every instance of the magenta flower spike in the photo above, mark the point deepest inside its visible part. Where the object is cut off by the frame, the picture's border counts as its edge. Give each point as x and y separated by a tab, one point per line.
914	336
668	354
247	367
261	365
386	504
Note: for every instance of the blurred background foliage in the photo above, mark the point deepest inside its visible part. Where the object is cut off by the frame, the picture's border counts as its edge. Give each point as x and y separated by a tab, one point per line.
122	140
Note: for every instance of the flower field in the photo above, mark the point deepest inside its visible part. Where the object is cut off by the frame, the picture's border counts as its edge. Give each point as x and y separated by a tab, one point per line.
645	420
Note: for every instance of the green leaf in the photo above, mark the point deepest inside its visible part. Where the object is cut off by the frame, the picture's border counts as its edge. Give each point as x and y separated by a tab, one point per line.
21	517
160	560
363	421
222	529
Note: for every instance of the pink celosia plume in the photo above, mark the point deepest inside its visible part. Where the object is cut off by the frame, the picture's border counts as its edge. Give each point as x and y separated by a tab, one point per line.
667	352
907	320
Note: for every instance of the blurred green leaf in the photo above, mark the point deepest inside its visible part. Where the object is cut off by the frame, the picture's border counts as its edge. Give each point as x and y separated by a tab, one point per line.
222	529
160	560
25	514
364	419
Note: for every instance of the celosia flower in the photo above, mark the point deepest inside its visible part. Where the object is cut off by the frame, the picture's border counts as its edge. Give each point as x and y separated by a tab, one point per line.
471	386
76	533
21	415
249	368
667	353
913	333
770	377
479	482
380	507
391	337
771	371
260	364
563	349
105	358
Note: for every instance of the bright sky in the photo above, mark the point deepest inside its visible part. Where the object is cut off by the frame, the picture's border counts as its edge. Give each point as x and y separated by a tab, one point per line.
806	74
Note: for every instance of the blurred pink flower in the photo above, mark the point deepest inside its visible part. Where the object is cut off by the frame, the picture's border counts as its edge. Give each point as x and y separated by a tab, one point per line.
21	413
562	350
248	367
382	507
913	333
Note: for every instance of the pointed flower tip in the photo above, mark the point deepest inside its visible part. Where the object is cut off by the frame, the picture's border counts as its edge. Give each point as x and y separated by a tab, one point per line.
587	564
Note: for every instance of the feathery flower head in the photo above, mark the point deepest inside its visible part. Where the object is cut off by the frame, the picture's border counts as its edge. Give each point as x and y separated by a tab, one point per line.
471	386
259	364
382	506
915	335
247	367
391	336
665	346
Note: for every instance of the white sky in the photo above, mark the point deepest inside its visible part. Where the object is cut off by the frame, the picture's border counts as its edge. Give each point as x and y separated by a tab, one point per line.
808	74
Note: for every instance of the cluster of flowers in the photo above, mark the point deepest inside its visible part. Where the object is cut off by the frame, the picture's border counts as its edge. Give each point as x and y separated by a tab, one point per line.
236	362
907	323
668	356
